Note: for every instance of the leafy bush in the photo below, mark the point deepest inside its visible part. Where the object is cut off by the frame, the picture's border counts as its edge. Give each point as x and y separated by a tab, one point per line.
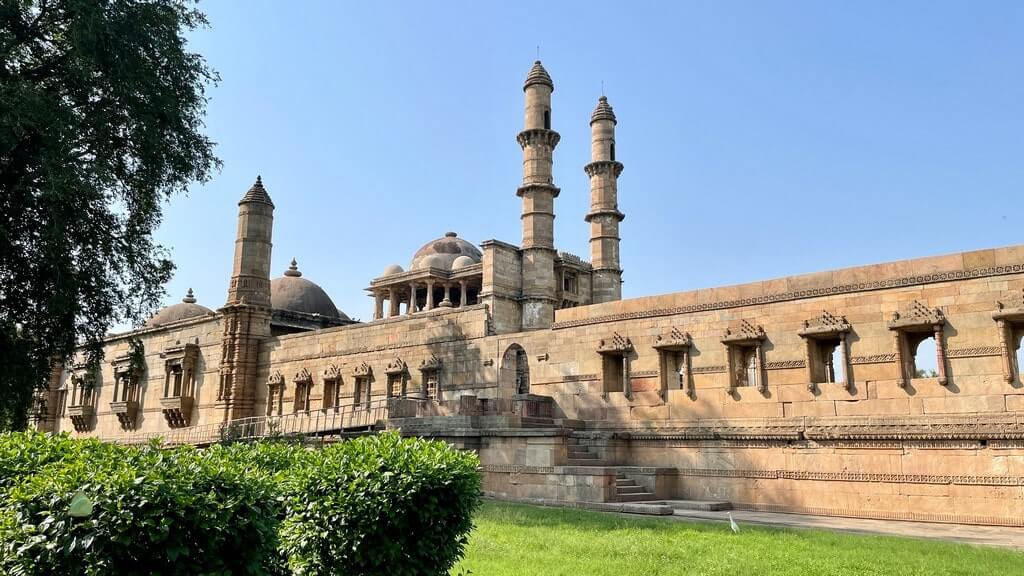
374	505
381	505
153	511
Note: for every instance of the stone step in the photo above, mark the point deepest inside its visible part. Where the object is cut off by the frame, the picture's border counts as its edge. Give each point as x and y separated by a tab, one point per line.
698	505
583	462
625	482
638	497
619	489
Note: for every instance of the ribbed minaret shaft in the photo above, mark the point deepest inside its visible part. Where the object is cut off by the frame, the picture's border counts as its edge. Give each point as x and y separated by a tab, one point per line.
538	192
604	215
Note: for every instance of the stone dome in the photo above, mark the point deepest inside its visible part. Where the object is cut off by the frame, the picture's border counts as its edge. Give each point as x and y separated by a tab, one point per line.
187	308
293	293
462	262
603	111
443	252
538	75
393	269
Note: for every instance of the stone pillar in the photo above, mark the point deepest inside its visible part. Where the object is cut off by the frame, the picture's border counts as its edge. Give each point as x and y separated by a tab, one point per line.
463	297
844	361
604	216
378	305
412	298
430	295
393	303
538	192
940	355
446	302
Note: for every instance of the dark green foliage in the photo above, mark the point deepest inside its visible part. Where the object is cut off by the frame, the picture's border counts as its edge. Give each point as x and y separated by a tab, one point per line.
381	505
374	505
101	108
155	511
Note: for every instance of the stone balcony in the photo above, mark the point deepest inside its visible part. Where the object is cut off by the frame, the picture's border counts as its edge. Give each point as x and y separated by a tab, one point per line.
81	416
177	410
126	411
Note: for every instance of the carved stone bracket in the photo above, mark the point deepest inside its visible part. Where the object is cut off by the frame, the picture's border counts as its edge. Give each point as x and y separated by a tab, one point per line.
363	370
395	367
675	346
617	345
745	335
825	327
909	329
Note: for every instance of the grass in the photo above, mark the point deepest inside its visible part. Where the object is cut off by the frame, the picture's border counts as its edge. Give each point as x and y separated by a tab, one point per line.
513	539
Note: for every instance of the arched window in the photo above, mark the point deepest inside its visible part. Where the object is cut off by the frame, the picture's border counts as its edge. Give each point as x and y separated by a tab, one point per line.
924	360
515	370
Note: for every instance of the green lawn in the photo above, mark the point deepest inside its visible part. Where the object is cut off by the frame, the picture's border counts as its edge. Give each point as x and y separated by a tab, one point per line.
512	539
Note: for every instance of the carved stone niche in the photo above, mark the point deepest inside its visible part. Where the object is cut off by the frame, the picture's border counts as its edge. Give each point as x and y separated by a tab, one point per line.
125	403
396	371
332	387
1009	317
674	361
744	345
179	383
912	327
303	386
80	407
615	352
275	394
430	368
825	334
363	374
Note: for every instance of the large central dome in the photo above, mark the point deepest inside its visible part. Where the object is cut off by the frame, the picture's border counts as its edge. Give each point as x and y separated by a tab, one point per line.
294	293
443	252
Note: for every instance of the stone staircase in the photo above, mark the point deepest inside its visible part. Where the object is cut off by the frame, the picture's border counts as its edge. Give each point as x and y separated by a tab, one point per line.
627	490
581	454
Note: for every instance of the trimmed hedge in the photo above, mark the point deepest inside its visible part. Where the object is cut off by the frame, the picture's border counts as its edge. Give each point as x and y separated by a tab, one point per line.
373	505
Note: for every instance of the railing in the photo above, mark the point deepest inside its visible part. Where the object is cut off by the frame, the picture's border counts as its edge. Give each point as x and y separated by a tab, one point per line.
309	423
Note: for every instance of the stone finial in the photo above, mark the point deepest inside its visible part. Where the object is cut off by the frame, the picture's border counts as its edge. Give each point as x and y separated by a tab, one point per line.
603	111
538	75
257	193
450	235
293	270
189	297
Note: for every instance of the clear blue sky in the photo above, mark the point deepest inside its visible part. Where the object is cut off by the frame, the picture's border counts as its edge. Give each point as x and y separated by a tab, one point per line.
760	139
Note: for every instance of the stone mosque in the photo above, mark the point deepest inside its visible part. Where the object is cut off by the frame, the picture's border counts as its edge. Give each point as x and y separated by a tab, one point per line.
803	394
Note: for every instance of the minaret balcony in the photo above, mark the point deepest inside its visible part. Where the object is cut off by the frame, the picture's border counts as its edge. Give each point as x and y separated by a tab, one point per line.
126	412
177	410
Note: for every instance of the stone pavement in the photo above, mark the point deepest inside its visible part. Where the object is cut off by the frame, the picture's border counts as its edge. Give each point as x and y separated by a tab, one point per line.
979	535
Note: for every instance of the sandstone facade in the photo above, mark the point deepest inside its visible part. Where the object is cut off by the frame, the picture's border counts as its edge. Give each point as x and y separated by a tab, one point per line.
802	394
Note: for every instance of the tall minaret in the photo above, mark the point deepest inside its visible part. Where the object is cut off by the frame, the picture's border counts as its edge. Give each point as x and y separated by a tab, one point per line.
247	311
604	215
250	279
538	192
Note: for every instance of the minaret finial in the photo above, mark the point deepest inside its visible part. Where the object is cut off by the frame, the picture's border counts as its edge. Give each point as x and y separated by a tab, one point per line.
293	270
189	297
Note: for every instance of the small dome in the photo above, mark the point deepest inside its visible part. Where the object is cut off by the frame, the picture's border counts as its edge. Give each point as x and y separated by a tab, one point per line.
538	75
443	252
187	308
294	293
393	269
462	262
603	111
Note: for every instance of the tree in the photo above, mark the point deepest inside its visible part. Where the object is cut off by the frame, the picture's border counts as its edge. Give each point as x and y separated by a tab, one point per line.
101	117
